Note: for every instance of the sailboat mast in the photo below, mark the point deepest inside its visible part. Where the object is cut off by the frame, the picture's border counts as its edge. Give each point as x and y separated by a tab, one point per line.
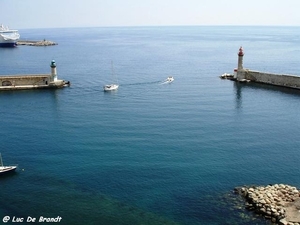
1	160
113	73
112	69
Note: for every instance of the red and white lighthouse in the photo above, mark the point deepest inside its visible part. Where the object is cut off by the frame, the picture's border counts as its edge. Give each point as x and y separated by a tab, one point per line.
240	60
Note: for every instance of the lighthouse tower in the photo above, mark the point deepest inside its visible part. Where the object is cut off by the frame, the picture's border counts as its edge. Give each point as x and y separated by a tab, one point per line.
53	71
240	70
240	61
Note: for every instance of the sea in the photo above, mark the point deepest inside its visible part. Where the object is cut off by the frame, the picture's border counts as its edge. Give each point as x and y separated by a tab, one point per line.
150	153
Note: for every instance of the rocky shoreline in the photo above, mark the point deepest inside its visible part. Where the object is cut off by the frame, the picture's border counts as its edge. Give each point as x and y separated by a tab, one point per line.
279	203
36	43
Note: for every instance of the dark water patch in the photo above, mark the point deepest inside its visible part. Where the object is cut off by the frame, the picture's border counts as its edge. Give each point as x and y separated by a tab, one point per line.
53	198
220	209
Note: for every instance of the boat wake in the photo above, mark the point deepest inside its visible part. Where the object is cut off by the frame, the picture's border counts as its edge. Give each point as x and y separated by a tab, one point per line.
141	83
166	81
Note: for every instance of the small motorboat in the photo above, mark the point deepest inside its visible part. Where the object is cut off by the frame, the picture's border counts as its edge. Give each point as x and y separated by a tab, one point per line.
244	81
110	87
226	76
170	79
6	169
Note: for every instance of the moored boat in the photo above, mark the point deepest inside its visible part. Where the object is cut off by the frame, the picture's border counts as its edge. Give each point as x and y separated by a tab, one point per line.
226	76
8	38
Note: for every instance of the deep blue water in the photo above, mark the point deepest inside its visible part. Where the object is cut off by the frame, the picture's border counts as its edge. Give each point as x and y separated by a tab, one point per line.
149	153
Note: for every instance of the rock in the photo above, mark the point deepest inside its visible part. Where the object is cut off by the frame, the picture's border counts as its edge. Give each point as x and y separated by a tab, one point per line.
279	203
45	43
295	192
269	195
282	222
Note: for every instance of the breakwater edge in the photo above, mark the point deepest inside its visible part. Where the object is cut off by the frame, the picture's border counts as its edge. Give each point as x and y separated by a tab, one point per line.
36	43
246	75
279	203
32	81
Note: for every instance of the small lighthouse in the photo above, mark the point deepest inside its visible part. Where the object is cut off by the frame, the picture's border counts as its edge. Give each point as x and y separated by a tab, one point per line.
53	70
240	61
239	72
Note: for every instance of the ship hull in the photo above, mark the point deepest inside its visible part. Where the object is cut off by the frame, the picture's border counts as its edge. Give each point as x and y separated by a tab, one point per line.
8	44
8	38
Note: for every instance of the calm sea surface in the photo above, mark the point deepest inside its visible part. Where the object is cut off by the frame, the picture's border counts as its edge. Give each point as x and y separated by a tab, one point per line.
150	153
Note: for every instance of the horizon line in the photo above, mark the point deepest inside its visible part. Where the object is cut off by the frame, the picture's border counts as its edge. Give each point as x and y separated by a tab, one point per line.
136	26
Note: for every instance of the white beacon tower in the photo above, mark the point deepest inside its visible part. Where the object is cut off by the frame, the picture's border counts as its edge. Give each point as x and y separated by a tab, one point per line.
53	70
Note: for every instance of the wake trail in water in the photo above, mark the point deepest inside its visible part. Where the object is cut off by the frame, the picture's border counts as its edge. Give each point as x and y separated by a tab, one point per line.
143	83
164	82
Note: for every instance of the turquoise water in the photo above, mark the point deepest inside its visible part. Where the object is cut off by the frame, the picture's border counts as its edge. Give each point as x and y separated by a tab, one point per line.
150	153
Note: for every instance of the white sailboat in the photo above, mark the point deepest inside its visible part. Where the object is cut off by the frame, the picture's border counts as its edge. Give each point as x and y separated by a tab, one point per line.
6	169
114	86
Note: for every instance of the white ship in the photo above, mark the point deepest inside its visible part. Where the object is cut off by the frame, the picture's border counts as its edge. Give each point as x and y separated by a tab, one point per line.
8	38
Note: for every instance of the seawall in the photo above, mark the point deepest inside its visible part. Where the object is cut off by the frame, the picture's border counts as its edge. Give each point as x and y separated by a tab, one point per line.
284	80
32	81
28	81
245	75
279	202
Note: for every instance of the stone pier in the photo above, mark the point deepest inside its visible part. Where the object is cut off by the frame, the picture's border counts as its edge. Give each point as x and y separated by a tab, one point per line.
36	43
279	203
32	81
246	75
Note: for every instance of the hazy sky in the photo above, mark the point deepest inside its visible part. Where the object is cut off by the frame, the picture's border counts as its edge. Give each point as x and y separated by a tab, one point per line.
19	14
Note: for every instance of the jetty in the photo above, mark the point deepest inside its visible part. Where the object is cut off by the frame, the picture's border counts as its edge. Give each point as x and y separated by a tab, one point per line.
32	81
36	43
243	75
279	203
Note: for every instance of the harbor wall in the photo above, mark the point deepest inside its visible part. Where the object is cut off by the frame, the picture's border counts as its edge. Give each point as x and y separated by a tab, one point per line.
284	80
246	75
21	80
32	81
25	82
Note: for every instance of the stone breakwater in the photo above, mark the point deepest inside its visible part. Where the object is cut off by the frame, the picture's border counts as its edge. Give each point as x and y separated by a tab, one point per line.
37	43
279	203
